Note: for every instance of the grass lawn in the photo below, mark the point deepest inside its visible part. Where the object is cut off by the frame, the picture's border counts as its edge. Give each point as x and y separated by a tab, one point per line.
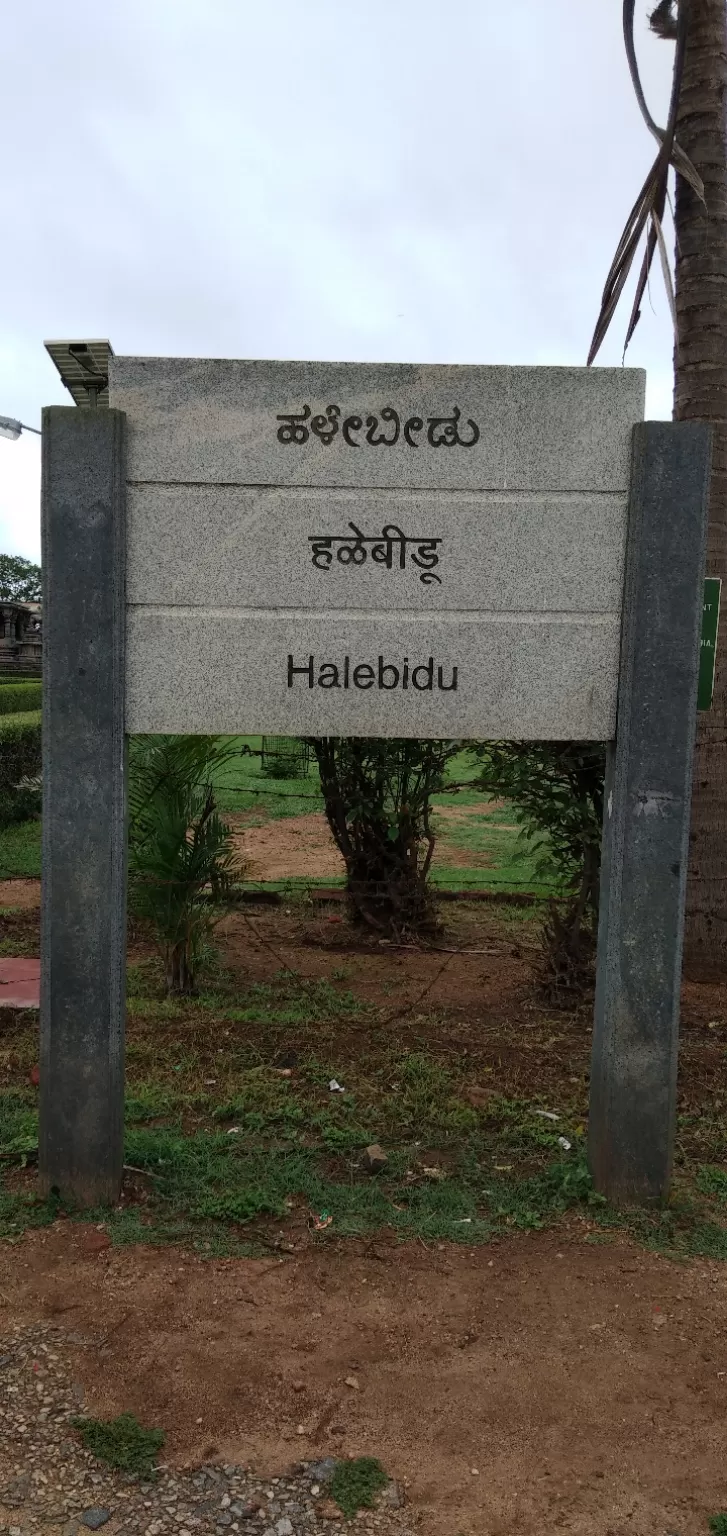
242	786
20	851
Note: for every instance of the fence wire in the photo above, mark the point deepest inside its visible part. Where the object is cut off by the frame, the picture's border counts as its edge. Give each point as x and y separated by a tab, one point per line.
448	882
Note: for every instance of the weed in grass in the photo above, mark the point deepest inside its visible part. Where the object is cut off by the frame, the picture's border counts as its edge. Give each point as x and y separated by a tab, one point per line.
130	1225
681	1230
148	1101
156	1007
19	929
240	1207
20	851
217	1179
713	1181
18	1213
425	1098
122	1443
341	1139
18	1124
706	1240
355	1484
263	1102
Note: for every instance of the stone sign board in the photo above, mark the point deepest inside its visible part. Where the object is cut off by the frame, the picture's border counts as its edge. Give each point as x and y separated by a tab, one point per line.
325	549
362	549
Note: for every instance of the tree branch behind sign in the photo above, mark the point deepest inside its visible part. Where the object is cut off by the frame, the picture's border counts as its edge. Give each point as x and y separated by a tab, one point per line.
377	796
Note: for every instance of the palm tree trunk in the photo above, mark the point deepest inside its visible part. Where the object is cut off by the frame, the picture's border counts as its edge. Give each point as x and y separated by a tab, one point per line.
700	394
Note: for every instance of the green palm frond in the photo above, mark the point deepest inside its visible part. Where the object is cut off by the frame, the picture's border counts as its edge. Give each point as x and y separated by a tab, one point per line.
181	857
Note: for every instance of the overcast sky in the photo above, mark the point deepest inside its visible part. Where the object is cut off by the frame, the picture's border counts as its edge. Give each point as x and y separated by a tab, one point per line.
400	180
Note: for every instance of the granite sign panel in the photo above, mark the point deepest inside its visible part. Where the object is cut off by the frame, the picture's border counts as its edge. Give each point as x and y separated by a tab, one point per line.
375	549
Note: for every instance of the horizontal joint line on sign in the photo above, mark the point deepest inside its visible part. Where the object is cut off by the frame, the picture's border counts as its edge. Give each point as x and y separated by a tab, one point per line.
392	615
507	492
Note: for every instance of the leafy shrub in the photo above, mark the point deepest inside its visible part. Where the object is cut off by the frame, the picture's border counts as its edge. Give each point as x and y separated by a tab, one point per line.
378	800
19	698
20	760
556	789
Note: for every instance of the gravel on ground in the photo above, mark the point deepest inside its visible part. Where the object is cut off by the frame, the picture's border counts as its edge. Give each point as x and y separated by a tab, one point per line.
49	1483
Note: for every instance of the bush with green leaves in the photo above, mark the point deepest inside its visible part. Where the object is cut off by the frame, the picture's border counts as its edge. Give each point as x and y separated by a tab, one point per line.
20	766
377	796
182	860
20	698
556	789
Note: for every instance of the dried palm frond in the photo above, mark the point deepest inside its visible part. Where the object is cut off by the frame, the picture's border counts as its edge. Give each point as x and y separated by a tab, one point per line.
663	21
647	213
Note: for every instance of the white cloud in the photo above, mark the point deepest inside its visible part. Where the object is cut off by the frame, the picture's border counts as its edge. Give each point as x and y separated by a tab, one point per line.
397	180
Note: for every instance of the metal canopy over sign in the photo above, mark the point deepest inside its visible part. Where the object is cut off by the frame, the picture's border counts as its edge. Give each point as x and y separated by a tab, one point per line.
84	369
378	550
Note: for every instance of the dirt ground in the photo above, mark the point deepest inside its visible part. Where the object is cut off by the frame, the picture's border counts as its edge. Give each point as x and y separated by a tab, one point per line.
471	994
548	1382
300	846
295	846
536	1385
22	894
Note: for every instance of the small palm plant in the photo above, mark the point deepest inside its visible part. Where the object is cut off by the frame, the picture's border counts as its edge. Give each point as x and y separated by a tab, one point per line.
182	862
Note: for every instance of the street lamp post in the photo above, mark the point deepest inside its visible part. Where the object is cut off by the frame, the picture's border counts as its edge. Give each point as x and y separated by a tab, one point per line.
9	427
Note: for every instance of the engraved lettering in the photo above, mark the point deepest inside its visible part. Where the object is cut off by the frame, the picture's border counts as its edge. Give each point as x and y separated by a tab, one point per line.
388	415
352	550
326	427
300	672
382	431
424	676
351	424
294	431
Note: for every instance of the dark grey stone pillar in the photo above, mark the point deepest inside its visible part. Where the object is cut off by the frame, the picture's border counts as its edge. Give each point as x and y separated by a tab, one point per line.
83	943
646	827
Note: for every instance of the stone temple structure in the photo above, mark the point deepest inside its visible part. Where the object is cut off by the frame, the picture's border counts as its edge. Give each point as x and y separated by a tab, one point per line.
21	639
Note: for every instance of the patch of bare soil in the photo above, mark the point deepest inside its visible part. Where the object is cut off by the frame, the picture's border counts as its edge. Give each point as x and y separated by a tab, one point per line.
541	1384
291	847
19	893
302	846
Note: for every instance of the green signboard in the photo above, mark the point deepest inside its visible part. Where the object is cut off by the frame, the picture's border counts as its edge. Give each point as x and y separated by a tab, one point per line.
708	653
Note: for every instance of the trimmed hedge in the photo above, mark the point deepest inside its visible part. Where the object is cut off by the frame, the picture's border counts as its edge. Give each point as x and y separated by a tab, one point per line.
19	698
19	759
